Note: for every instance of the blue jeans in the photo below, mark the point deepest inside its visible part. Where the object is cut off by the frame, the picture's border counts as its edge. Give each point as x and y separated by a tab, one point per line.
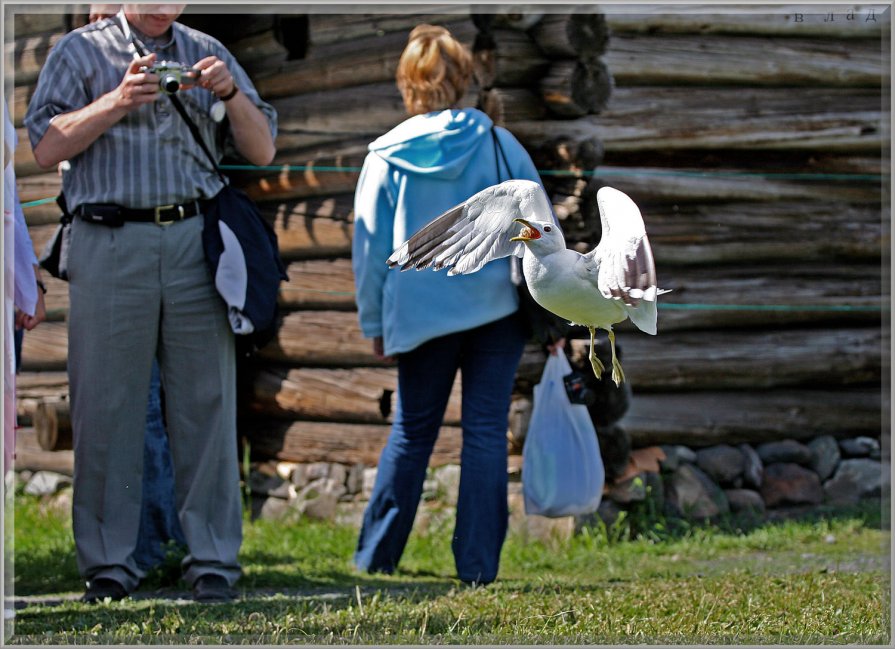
487	357
158	512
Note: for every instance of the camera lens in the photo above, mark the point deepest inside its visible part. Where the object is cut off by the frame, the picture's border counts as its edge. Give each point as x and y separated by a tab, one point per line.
169	83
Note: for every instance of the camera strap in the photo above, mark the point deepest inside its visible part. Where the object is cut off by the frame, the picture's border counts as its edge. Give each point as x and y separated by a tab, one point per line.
178	105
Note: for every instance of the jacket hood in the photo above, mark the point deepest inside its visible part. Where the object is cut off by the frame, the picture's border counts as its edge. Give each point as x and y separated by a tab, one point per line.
440	144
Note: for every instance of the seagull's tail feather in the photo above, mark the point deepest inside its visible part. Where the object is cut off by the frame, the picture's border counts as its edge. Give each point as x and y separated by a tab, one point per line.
644	316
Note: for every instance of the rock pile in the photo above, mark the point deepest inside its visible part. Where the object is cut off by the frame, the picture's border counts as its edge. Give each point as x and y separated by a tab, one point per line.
701	483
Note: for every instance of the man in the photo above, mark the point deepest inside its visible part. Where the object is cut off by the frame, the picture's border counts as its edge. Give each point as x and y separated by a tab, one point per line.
139	286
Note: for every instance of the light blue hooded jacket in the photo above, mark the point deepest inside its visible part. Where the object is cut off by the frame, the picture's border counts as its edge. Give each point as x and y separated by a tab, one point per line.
415	172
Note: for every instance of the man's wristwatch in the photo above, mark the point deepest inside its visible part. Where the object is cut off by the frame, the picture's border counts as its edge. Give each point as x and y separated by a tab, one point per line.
42	286
230	95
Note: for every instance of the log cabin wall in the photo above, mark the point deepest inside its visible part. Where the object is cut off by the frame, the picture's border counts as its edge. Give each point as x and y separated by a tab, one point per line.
752	140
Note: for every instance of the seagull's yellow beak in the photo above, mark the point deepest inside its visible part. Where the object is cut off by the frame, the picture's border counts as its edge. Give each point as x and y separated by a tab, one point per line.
527	233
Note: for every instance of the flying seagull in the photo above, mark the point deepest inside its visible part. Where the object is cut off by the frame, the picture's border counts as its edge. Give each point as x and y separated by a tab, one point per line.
611	283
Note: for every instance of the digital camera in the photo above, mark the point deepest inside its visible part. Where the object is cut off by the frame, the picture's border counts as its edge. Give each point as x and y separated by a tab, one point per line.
173	76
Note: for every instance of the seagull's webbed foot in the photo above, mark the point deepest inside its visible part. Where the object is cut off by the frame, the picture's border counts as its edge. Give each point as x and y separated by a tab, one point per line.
595	362
617	374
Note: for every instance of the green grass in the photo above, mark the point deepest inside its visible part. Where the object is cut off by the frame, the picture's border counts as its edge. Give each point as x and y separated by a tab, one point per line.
821	580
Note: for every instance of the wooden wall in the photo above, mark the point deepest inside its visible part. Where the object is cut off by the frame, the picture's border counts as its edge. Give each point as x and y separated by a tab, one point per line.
752	141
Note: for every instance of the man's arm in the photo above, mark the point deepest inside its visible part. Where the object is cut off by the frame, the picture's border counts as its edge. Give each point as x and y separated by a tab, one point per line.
72	133
251	132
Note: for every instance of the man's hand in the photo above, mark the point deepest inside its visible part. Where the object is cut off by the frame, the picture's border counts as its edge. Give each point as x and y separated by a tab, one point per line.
72	133
215	76
251	132
137	88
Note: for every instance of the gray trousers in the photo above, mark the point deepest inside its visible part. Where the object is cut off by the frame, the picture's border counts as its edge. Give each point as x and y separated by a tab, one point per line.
135	291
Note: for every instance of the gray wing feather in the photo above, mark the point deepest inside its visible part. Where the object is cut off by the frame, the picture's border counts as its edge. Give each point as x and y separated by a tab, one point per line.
627	268
465	237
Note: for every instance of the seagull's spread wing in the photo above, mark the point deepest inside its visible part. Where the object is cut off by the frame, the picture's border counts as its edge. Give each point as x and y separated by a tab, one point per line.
468	236
627	270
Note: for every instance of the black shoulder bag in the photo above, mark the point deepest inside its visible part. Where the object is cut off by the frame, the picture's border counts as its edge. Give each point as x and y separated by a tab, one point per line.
232	210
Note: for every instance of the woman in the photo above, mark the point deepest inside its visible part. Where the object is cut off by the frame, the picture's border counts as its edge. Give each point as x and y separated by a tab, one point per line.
431	323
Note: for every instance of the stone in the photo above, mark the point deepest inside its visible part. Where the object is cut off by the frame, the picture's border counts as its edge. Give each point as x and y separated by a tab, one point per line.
722	463
787	451
338	472
825	456
631	490
320	498
753	469
675	455
299	477
744	500
787	483
550	531
317	470
354	481
285	469
44	483
691	493
264	484
856	479
272	509
369	481
859	447
447	478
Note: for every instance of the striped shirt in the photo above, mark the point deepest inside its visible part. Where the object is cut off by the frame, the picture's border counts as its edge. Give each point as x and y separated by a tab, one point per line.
149	157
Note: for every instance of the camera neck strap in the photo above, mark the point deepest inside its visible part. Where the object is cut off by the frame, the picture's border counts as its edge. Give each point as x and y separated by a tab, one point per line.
178	105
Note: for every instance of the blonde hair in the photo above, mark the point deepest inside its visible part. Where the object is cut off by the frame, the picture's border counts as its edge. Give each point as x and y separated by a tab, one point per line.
434	71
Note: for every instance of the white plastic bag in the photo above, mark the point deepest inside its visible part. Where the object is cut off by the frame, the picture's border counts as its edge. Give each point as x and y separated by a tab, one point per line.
562	470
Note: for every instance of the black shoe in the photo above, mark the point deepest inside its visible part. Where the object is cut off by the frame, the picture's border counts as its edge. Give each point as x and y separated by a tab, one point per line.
212	588
103	587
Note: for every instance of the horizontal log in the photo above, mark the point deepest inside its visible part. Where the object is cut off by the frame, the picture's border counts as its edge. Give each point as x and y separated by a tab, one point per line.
38	20
40	186
45	348
312	227
25	164
52	425
363	60
723	185
359	112
770	296
319	284
737	232
258	52
511	104
752	416
228	24
747	20
504	17
506	57
320	338
763	119
34	387
363	395
573	88
734	359
28	55
31	457
313	441
580	33
640	60
335	27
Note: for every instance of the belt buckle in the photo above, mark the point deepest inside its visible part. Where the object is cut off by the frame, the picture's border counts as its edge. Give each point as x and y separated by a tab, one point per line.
158	210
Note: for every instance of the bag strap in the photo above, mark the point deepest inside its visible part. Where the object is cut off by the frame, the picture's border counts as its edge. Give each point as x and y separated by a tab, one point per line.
499	155
194	130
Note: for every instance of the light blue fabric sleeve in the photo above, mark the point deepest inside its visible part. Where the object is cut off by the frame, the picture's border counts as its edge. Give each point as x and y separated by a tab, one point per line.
374	216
